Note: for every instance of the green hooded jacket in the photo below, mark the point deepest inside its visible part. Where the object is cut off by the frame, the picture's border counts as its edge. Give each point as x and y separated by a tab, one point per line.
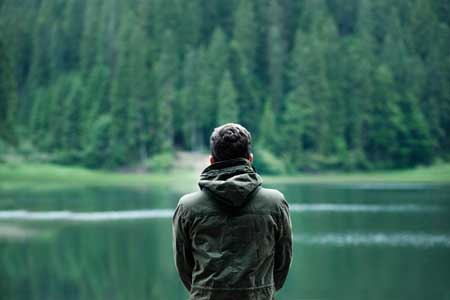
232	239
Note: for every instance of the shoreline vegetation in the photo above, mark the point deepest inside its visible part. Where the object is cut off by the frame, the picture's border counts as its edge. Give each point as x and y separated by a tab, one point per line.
20	175
320	84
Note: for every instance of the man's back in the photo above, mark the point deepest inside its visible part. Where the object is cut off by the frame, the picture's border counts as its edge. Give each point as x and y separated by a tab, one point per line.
232	239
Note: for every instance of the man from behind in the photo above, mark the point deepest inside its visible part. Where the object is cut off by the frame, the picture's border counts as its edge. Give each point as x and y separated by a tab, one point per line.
232	239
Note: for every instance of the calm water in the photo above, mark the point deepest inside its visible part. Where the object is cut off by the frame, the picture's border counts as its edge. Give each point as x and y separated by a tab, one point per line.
366	241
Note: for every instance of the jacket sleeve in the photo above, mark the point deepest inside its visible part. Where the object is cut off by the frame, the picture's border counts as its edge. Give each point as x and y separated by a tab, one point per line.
283	247
184	260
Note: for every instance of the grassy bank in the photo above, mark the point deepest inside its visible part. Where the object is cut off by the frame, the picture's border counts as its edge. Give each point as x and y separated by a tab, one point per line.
46	176
433	174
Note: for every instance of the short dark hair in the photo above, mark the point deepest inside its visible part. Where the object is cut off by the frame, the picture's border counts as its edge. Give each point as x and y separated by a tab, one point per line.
230	141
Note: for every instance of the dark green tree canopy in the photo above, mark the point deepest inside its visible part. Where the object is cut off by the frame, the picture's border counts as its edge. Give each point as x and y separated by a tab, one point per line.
319	83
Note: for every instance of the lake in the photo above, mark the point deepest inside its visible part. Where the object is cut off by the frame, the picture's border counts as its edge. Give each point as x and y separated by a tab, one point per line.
351	241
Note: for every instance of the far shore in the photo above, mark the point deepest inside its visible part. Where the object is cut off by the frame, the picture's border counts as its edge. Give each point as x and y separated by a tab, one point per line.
432	174
17	176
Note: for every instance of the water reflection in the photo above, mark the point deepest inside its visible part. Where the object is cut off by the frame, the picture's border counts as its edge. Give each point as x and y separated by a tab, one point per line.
350	243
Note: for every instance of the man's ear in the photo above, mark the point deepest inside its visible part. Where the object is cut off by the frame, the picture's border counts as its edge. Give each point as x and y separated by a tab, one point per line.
250	157
211	159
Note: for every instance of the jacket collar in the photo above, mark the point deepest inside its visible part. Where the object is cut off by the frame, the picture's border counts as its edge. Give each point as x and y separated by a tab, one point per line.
227	167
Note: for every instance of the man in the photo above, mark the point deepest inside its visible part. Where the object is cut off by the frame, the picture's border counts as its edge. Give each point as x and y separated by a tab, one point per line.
232	239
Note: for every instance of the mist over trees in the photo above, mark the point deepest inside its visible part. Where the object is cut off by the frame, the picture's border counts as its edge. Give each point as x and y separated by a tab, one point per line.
321	84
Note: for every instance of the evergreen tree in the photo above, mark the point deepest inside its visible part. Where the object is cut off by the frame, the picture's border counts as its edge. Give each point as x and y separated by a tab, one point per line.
57	95
8	96
191	23
357	88
436	93
72	126
267	137
166	77
320	83
276	53
95	96
245	40
195	92
56	52
88	49
423	27
98	143
385	125
333	100
119	99
227	106
295	118
416	146
72	27
39	73
205	95
308	68
39	119
107	33
244	47
140	90
313	14
216	62
217	56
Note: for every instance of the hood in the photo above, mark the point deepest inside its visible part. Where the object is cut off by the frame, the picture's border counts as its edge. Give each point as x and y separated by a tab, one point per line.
231	181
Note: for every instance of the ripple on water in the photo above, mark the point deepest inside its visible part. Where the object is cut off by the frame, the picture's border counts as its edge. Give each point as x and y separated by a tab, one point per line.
368	208
399	239
23	215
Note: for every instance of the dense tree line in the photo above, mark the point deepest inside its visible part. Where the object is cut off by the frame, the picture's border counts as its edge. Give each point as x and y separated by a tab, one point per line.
320	83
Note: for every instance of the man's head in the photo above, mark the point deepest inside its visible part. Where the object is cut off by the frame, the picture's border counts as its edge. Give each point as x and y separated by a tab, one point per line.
230	141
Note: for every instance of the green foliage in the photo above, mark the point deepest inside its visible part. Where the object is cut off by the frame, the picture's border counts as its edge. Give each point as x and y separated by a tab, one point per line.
227	106
321	84
386	124
166	77
72	117
295	121
268	136
3	150
39	118
266	162
160	162
276	53
189	102
8	95
244	47
96	155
